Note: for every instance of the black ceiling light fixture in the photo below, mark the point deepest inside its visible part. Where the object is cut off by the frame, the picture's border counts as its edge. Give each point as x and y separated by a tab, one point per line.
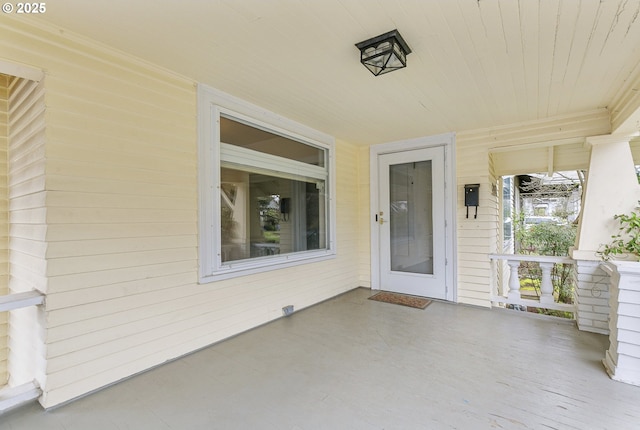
384	53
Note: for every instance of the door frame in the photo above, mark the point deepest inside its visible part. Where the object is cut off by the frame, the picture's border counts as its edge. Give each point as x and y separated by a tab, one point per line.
448	141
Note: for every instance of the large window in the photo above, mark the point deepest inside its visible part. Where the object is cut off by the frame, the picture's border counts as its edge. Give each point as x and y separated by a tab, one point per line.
265	190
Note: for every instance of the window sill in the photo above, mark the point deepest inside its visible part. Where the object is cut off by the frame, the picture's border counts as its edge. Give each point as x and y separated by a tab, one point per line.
246	268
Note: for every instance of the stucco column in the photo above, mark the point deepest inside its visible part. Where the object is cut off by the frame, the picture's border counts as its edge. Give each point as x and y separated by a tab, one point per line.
612	188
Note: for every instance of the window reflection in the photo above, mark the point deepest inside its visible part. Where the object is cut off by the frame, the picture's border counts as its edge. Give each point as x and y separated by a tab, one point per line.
264	215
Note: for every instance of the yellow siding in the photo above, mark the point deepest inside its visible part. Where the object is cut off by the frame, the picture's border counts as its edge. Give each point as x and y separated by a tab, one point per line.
635	149
26	160
27	226
364	219
348	206
121	208
4	222
478	237
572	156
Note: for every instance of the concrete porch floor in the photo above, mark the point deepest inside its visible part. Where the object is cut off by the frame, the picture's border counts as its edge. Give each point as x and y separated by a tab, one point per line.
352	363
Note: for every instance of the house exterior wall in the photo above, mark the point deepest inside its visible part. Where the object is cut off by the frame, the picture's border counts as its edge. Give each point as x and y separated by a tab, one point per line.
364	218
539	159
27	228
591	297
121	238
4	222
476	237
476	162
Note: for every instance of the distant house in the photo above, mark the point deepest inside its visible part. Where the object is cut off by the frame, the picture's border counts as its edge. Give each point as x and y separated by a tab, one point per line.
548	199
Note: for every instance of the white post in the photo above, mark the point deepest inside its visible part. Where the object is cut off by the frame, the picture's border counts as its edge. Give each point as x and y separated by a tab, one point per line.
546	286
612	188
622	359
514	280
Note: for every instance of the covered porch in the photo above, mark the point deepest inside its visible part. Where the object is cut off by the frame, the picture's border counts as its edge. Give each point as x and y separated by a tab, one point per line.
120	183
354	363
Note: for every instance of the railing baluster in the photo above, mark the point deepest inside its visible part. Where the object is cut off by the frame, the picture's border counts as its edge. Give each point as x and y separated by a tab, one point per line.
514	296
546	286
514	280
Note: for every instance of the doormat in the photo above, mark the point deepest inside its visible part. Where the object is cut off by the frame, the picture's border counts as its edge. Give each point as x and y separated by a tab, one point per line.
401	299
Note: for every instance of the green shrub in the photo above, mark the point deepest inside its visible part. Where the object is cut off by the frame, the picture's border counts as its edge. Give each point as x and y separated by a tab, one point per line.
547	239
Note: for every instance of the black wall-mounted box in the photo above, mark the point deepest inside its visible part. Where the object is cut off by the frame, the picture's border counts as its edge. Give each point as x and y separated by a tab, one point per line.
472	195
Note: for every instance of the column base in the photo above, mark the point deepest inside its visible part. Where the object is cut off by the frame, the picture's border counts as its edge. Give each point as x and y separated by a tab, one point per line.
621	374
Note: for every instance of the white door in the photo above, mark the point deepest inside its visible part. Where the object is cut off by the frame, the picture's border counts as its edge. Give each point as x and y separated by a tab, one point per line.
411	222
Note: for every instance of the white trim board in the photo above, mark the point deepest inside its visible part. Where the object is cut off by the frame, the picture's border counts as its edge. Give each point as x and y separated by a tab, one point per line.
21	71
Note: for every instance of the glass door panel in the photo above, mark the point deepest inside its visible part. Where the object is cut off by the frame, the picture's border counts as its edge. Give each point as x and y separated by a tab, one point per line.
411	222
411	217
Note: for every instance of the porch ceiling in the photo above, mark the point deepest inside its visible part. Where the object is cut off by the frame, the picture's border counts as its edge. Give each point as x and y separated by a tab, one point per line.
475	63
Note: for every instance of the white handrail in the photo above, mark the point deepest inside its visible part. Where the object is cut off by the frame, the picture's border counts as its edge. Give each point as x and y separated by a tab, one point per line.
20	300
13	397
536	258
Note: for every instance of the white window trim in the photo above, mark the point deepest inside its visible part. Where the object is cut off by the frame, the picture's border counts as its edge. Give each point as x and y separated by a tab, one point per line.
212	103
258	162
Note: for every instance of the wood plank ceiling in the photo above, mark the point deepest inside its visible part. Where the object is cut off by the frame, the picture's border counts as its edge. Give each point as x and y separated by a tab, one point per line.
475	63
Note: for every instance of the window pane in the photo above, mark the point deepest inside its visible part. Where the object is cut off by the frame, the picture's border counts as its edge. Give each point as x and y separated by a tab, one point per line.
239	134
264	215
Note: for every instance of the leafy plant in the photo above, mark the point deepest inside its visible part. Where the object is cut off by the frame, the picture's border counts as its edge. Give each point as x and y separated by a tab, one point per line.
627	240
547	239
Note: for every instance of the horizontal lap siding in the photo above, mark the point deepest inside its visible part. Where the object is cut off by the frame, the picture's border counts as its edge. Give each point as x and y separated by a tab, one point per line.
4	223
349	220
27	226
522	161
364	220
477	237
121	236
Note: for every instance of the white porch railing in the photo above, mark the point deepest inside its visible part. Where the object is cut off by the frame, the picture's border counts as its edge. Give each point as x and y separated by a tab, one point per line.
20	300
12	397
514	297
